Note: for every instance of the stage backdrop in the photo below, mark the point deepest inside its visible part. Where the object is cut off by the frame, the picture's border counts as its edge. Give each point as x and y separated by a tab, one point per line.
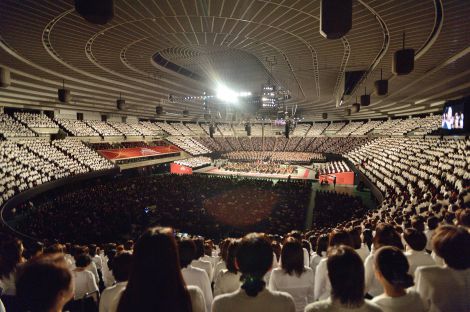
345	178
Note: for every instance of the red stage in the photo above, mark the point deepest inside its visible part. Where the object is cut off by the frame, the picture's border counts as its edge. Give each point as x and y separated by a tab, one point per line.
344	178
125	153
179	169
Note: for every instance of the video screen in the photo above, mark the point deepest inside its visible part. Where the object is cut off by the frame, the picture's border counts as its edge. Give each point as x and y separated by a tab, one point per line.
453	116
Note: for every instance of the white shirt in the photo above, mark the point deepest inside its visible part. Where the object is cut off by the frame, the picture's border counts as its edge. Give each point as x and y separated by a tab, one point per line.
8	285
227	282
266	300
412	301
299	287
443	288
418	258
373	287
2	307
205	265
429	234
84	283
329	305
198	277
363	252
322	286
218	269
109	295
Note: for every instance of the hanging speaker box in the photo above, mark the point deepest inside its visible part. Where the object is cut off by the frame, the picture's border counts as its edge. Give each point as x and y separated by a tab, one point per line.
365	100
347	112
5	77
403	61
63	95
185	113
95	11
335	18
356	107
381	87
121	104
159	110
324	115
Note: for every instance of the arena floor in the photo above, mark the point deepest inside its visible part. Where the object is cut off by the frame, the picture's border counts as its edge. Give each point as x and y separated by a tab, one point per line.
303	173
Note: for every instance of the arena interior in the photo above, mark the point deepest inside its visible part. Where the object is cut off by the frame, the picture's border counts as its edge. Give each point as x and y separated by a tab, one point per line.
234	155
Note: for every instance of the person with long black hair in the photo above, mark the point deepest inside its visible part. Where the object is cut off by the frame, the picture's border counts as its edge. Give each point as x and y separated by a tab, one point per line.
155	282
254	259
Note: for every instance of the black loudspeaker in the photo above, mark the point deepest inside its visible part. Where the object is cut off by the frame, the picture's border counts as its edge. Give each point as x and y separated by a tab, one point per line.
365	100
403	61
185	113
347	112
159	110
211	131
355	108
381	87
287	129
335	18
5	77
95	11
121	104
248	129
324	115
63	95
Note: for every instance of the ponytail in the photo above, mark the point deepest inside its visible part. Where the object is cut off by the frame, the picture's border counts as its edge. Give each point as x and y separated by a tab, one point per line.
252	284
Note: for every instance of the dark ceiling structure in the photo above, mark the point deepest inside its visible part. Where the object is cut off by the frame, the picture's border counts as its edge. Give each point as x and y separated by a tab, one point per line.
242	43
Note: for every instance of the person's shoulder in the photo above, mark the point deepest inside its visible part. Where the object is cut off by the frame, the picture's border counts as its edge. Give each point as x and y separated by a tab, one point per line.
194	291
322	305
371	306
430	270
280	296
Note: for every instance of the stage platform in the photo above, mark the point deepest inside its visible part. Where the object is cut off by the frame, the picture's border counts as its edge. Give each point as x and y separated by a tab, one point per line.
302	173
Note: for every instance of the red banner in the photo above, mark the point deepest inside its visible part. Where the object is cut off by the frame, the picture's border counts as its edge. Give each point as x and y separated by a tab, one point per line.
345	178
179	169
125	153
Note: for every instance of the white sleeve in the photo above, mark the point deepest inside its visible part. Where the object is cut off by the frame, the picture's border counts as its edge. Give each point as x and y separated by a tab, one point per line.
207	292
272	281
320	280
369	272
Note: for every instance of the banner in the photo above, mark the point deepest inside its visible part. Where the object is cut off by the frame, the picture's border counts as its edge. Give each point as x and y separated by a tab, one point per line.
180	169
125	153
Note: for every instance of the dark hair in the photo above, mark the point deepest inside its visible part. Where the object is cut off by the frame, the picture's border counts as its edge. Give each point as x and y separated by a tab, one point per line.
155	282
415	239
433	222
386	235
463	217
393	265
453	245
322	244
368	237
128	245
254	258
93	250
40	281
82	260
199	243
355	235
292	257
306	245
339	237
10	252
122	266
231	255
346	273
187	250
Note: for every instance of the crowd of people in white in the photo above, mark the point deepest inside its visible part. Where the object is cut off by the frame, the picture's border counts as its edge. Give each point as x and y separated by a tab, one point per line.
10	128
35	120
77	127
293	157
413	163
27	163
189	145
194	162
333	167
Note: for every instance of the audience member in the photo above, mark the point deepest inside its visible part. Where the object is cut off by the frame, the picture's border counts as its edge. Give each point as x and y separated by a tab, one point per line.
415	244
121	271
392	271
254	259
155	281
229	279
